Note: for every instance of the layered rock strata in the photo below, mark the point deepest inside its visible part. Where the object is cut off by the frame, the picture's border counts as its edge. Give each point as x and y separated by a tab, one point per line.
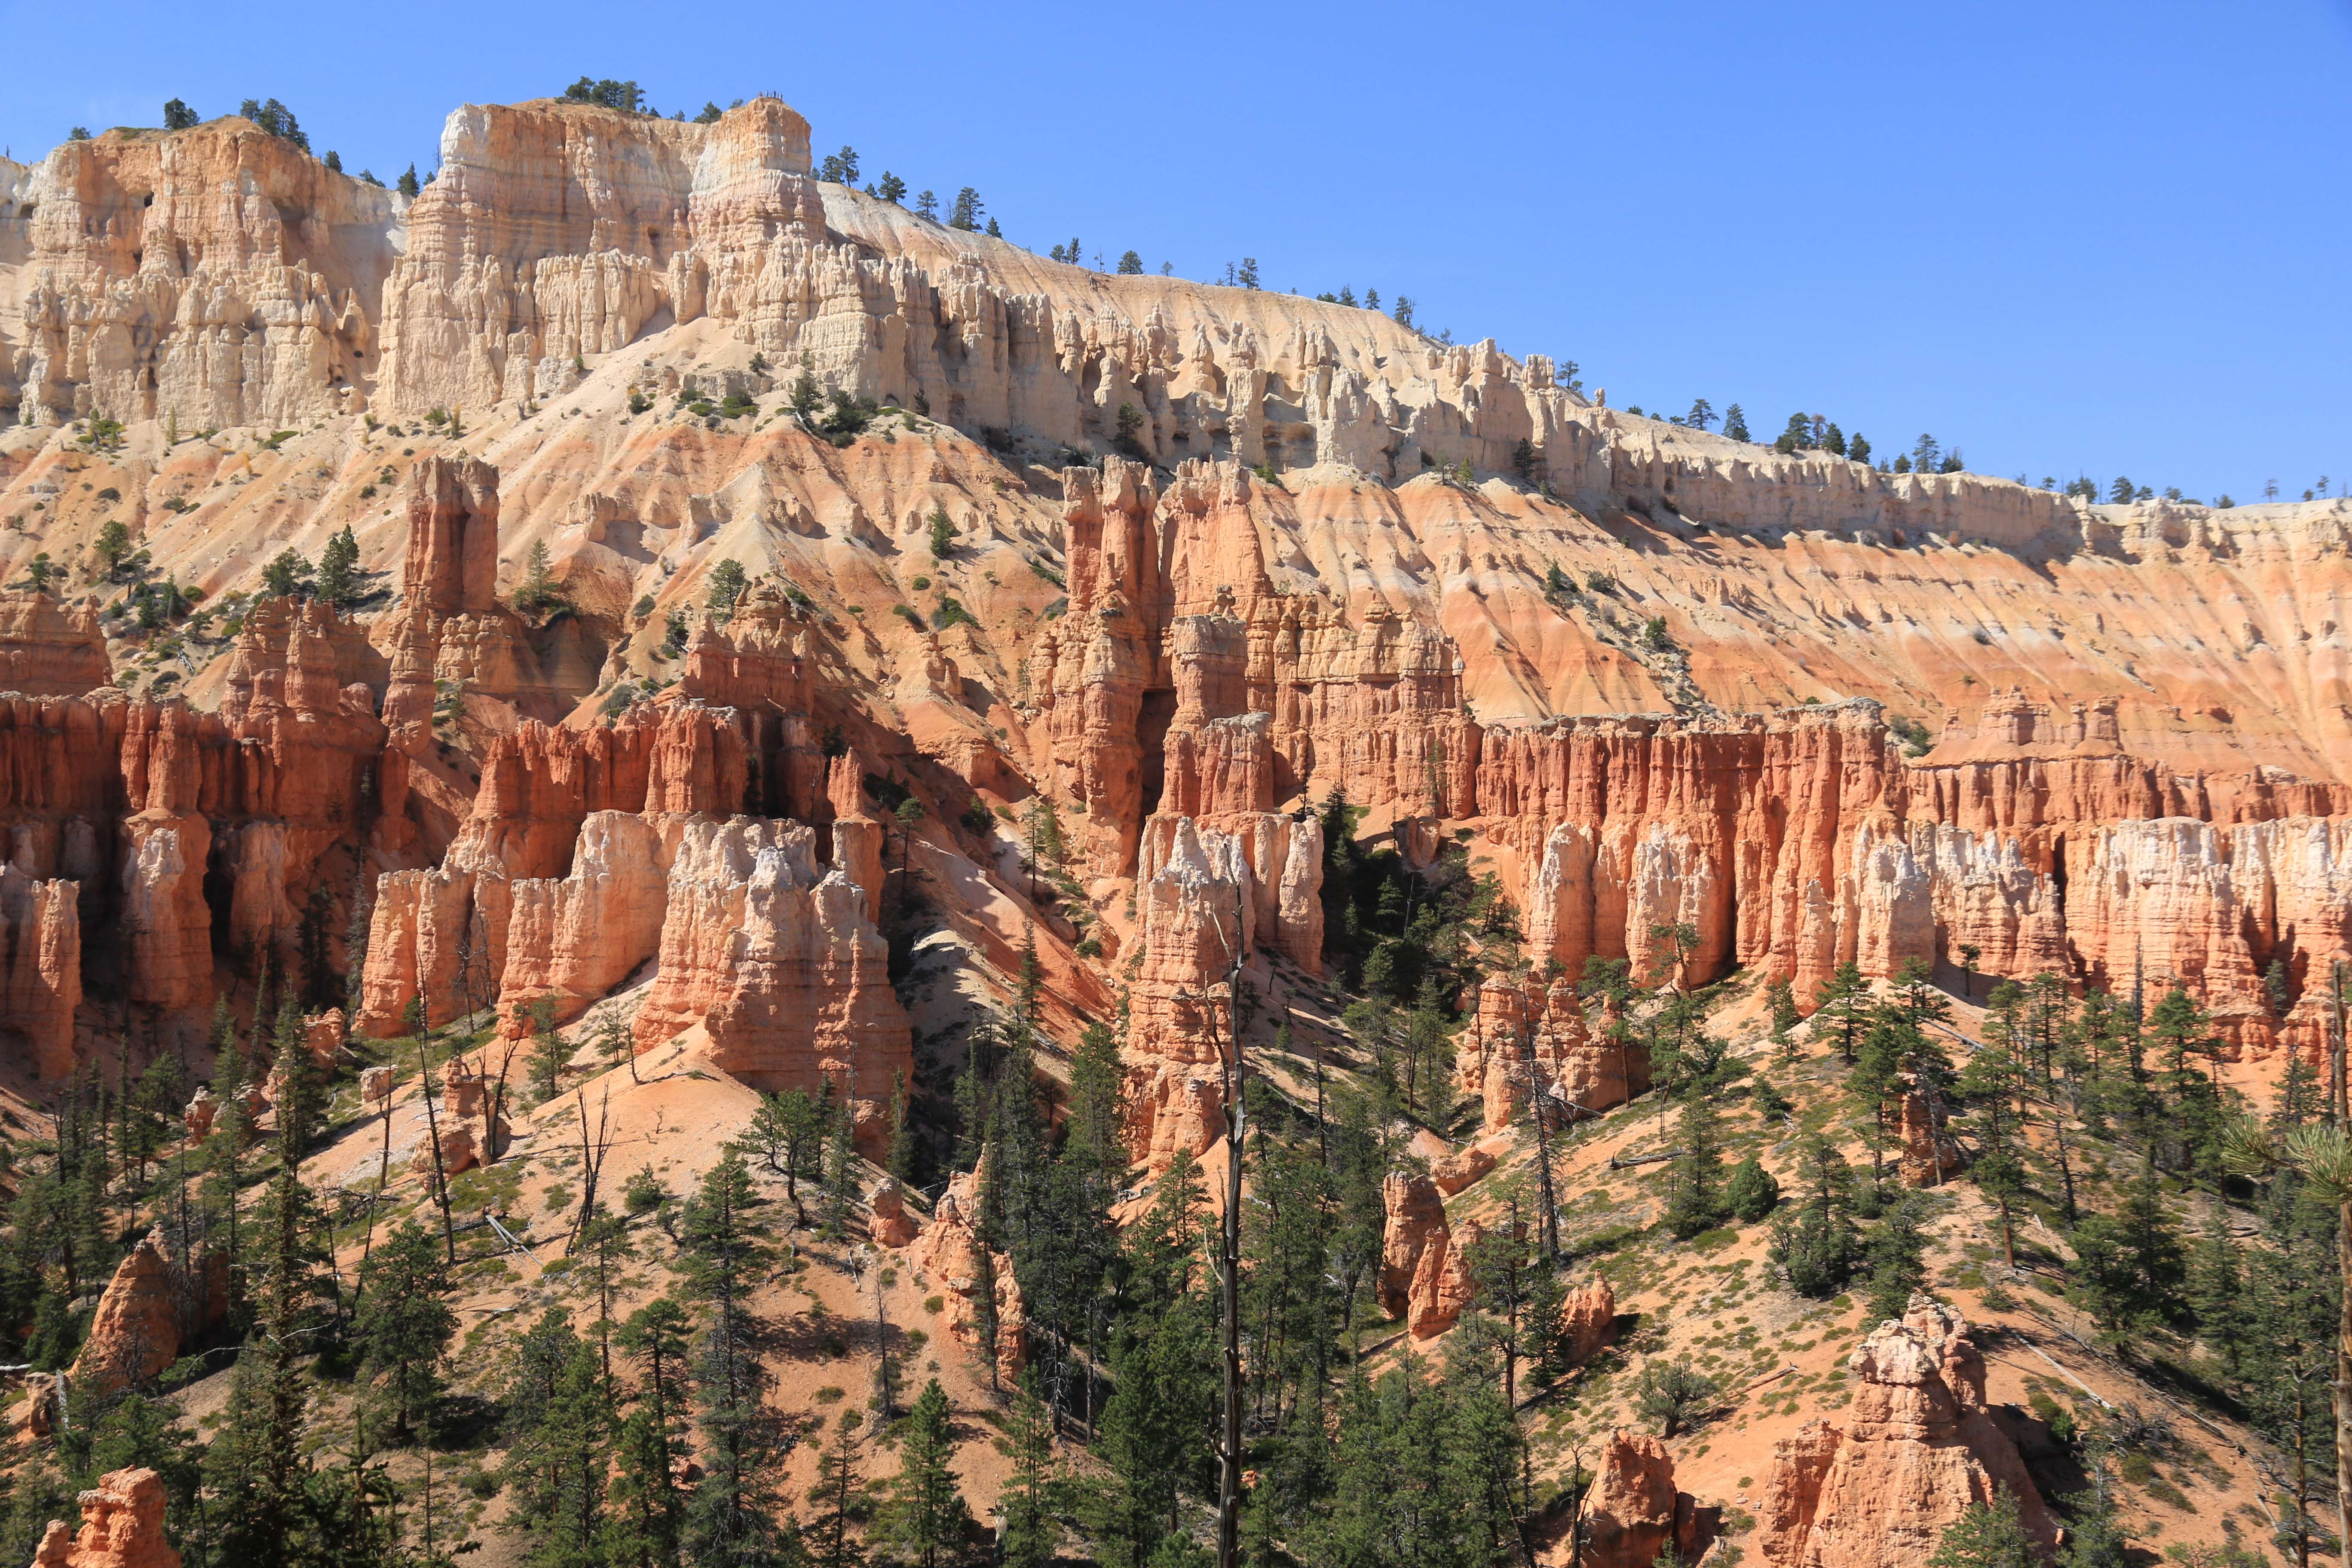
50	651
220	275
777	959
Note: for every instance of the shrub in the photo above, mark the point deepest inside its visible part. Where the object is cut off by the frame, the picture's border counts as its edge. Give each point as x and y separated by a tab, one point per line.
644	1193
1600	582
1671	1393
1751	1193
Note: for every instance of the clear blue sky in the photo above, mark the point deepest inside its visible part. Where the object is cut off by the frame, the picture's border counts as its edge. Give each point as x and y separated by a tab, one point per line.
2101	238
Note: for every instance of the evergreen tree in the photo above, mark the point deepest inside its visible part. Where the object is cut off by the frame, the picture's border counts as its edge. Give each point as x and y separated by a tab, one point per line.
789	1132
1814	1248
260	1468
1695	1200
923	1510
732	1519
900	1161
1751	1194
1842	1005
1988	1535
839	1496
1897	1251
575	1439
1735	424
404	1324
840	1192
645	1520
339	574
2217	1291
549	1054
1030	1533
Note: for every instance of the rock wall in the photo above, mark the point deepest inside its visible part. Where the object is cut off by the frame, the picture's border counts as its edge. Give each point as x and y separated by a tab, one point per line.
220	275
1207	894
1797	841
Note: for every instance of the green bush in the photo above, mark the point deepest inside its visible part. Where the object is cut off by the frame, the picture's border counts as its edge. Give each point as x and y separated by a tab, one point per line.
1751	1193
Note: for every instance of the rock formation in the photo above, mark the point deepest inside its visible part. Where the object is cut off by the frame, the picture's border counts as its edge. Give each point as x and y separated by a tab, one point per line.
40	969
1633	1513
891	1224
1419	1280
1588	1321
778	960
221	275
979	1284
1918	1449
122	1527
46	650
455	652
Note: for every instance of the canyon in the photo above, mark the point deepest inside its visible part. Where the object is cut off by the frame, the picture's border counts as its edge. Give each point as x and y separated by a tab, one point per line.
656	710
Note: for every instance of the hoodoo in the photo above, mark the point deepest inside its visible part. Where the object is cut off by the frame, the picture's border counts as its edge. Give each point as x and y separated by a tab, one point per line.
647	644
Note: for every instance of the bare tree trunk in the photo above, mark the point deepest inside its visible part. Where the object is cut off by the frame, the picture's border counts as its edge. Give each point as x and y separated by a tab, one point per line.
1549	1228
1229	1485
2336	1092
2343	1385
432	1135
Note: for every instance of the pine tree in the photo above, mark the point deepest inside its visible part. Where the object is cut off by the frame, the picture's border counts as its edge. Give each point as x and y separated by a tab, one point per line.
1897	1251
576	1437
1695	1190
259	1467
732	1518
1842	1005
339	576
840	1191
644	1522
549	1055
404	1324
1030	1533
1751	1193
789	1131
839	1496
1814	1247
923	1507
899	1160
1987	1536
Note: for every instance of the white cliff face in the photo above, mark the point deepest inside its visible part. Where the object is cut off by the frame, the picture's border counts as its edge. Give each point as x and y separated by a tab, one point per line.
217	275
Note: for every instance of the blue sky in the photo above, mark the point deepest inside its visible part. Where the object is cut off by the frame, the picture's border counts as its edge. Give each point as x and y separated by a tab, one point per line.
2067	237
